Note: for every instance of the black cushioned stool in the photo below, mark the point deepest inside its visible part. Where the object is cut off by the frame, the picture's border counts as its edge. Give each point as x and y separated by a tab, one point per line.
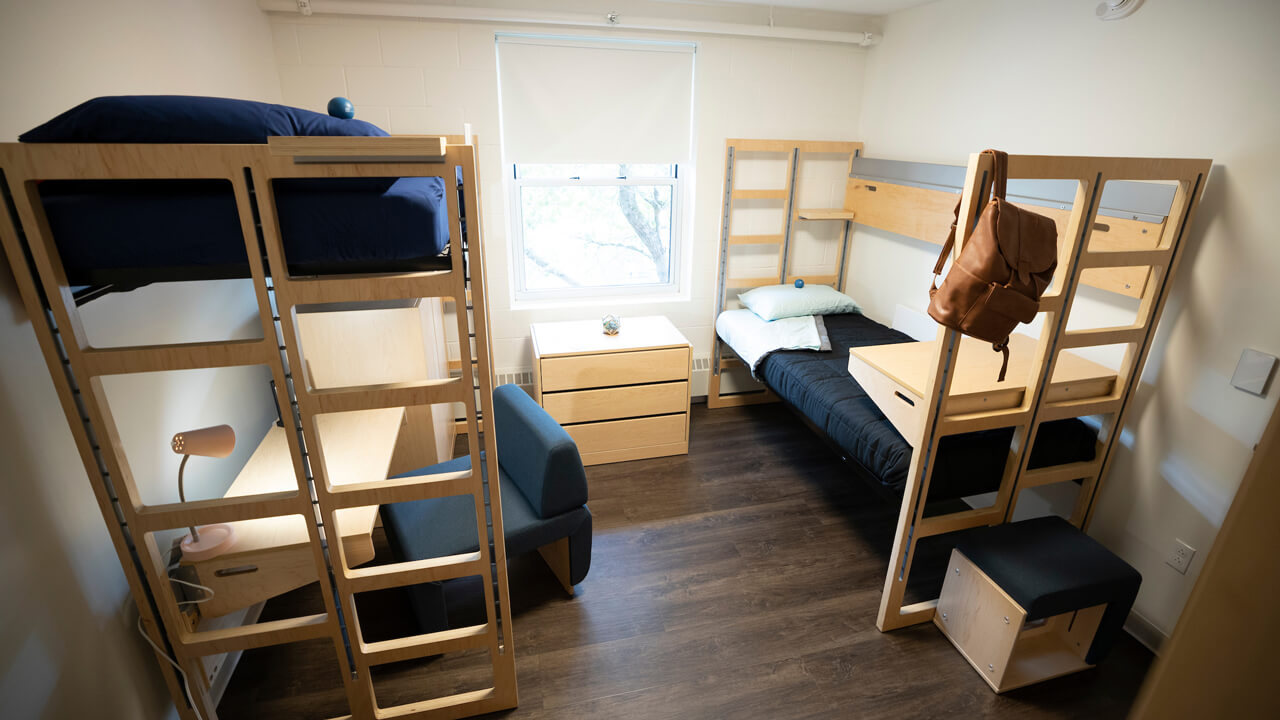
1033	600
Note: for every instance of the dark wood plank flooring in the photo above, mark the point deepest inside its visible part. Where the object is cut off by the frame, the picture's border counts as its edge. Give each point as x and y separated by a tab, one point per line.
739	581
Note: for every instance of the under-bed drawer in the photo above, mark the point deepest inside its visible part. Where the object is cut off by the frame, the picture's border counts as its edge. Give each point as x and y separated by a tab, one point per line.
617	402
624	368
628	439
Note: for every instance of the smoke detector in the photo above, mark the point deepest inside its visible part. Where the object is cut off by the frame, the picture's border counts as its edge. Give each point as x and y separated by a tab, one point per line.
1116	9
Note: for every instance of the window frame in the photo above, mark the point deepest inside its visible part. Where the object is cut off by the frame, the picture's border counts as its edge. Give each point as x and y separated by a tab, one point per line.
664	290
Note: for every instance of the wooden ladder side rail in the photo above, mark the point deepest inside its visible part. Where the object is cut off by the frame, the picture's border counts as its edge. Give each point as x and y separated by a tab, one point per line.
1191	185
139	589
892	614
496	633
25	165
1091	174
720	360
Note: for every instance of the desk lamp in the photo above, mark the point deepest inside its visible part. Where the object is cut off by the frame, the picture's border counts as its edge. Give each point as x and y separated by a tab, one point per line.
217	441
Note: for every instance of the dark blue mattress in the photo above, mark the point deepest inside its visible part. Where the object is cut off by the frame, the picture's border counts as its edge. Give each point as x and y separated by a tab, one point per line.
818	385
135	232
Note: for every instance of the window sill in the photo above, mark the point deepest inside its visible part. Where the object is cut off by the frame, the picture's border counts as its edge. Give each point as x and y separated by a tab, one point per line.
607	302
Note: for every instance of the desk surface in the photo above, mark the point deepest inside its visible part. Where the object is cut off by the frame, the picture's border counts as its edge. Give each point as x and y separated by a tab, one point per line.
357	448
909	364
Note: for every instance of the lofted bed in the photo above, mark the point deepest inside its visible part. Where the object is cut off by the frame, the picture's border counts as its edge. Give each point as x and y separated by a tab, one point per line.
925	422
281	209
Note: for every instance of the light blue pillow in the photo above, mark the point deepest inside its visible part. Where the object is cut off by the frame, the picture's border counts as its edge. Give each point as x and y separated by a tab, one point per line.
773	302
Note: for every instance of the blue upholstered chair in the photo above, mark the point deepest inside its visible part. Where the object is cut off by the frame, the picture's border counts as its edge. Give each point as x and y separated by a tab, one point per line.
544	495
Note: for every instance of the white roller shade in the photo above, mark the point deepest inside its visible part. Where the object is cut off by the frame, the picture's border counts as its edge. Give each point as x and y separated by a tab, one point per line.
582	101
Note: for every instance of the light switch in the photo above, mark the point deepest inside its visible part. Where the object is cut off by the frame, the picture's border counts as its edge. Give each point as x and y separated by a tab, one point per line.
1253	372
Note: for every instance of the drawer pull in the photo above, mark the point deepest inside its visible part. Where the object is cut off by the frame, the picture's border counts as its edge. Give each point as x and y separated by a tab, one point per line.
904	398
238	570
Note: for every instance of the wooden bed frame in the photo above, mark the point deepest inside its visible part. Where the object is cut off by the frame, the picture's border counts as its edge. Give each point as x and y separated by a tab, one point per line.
1134	256
78	368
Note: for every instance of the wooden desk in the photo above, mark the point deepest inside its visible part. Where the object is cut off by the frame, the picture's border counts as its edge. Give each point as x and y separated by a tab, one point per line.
894	376
273	555
620	397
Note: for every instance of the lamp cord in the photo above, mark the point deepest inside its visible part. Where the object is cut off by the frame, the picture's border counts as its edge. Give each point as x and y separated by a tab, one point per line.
186	682
195	536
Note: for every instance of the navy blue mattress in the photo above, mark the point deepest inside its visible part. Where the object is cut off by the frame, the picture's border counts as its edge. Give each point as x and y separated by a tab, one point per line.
141	231
819	386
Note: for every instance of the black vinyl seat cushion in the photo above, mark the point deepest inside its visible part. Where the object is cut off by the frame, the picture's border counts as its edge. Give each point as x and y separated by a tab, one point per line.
1050	567
440	527
447	526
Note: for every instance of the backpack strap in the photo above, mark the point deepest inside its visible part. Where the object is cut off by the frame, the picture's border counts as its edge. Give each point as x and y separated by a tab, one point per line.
999	184
946	246
1002	347
1000	173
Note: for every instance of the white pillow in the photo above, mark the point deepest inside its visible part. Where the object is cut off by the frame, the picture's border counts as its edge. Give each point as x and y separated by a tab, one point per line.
773	302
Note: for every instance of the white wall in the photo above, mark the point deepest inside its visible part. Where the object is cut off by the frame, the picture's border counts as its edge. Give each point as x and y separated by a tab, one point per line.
69	644
418	76
1179	78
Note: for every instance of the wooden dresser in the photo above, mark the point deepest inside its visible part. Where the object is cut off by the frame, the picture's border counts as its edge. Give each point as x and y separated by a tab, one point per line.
621	397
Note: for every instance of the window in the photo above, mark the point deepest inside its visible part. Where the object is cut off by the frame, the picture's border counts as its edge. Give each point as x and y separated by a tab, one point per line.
596	135
584	228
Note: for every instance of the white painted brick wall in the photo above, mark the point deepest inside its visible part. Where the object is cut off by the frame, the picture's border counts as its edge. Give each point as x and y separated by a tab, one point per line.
420	77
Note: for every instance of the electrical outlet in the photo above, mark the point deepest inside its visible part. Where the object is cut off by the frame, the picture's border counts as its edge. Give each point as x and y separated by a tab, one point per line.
1180	556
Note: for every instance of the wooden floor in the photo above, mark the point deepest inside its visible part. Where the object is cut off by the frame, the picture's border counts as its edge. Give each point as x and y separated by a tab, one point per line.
740	581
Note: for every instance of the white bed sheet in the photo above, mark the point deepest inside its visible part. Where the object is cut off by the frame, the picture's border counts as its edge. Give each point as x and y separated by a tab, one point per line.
753	338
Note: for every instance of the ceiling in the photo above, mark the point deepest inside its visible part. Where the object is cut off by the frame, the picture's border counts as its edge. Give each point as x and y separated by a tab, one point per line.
859	7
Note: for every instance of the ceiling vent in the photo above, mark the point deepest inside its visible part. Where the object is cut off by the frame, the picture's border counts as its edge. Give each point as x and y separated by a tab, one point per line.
1116	9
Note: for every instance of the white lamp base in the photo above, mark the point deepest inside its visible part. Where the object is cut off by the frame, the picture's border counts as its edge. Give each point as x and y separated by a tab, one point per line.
214	540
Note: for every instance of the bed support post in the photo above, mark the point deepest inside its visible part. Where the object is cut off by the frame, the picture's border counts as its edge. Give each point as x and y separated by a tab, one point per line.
1076	256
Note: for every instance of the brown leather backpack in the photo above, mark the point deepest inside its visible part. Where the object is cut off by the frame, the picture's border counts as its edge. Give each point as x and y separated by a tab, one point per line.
1003	269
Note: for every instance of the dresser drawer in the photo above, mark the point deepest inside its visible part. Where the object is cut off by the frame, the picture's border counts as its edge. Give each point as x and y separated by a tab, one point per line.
605	369
617	402
639	433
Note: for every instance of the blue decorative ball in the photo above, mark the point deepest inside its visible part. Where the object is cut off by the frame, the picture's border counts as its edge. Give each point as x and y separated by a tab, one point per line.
799	282
341	107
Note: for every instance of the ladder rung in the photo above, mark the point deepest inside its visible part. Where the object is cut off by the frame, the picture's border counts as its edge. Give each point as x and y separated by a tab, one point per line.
1101	336
187	356
1050	303
1126	258
418	487
1059	473
814	279
467	704
760	194
826	214
939	524
389	395
244	637
359	288
755	239
1077	408
218	510
985	420
749	282
381	577
419	646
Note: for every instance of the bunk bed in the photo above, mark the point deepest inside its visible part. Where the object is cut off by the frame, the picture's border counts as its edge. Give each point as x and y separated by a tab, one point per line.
398	251
903	412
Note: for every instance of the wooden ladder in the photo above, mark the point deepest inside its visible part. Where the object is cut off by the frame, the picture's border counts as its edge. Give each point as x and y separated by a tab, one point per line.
78	370
1076	257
